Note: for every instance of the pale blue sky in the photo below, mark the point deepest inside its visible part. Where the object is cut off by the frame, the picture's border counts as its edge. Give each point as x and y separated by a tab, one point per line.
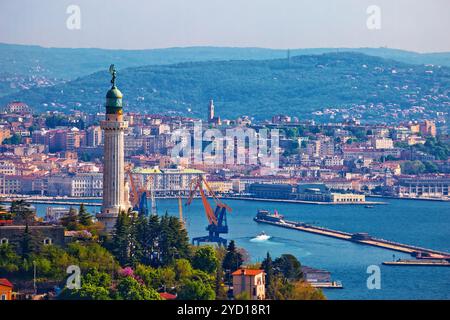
418	25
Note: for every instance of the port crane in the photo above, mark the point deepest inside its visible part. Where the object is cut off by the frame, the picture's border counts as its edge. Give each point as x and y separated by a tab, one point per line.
139	194
217	219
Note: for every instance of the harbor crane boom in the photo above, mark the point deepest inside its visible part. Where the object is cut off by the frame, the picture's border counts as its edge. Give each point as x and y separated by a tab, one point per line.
217	219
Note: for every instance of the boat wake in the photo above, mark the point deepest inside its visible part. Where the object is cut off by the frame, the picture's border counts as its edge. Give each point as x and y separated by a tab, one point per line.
261	237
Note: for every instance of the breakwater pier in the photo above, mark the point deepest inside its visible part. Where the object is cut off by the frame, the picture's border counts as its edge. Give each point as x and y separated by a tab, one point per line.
359	238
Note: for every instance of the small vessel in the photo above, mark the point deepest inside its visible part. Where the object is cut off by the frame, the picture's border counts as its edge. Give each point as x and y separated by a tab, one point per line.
368	206
262	236
267	216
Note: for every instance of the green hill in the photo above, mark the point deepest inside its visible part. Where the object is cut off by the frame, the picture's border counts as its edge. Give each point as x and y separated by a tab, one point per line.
257	88
23	66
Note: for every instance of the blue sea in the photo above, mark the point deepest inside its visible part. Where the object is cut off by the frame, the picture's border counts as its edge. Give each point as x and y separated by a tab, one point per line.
421	223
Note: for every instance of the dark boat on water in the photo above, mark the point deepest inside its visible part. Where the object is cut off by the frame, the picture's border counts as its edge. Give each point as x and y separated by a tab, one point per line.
267	216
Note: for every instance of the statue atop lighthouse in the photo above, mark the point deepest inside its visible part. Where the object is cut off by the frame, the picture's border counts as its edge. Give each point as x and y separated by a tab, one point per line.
115	191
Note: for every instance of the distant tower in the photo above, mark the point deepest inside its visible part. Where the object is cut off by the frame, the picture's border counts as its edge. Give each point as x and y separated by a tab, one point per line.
211	117
115	192
211	111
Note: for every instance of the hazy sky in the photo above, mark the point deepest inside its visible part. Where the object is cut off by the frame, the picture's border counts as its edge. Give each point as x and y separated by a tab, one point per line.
418	25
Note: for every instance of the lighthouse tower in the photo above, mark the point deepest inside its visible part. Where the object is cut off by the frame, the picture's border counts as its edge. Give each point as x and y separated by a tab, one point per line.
115	191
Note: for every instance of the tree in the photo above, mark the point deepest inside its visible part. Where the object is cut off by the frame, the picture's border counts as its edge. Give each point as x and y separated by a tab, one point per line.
288	266
205	259
92	256
430	167
86	292
27	243
173	240
9	260
120	245
232	260
413	167
268	267
302	290
95	285
84	218
129	288
22	212
70	221
196	290
183	269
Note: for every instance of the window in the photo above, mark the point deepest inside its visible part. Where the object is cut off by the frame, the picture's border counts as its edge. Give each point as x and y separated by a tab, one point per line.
3	297
4	241
48	241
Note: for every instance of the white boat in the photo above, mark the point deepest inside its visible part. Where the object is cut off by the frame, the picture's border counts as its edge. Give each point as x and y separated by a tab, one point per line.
262	236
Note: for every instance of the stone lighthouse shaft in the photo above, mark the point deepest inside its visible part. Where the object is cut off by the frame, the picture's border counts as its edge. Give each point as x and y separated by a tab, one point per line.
115	197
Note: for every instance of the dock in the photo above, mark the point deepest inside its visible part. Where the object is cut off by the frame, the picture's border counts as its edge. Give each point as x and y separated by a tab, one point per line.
327	285
361	238
418	263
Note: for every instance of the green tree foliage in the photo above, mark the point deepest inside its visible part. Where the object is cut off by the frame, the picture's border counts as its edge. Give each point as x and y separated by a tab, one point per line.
22	212
70	221
84	218
173	241
413	167
205	259
284	280
92	256
95	285
129	288
288	266
155	241
196	290
232	260
14	139
268	268
27	243
9	260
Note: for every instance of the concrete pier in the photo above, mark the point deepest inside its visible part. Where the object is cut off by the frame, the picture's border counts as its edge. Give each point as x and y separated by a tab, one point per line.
361	238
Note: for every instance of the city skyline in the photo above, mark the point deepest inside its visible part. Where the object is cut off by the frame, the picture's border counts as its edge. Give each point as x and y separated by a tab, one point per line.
409	25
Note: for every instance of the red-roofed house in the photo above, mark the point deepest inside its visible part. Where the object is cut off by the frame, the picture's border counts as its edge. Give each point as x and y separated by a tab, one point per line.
6	288
251	281
167	296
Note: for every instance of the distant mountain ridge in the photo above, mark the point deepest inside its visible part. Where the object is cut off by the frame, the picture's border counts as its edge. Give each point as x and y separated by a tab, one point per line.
258	88
67	63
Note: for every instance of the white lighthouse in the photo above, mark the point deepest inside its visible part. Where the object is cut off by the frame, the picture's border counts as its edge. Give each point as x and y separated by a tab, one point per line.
115	192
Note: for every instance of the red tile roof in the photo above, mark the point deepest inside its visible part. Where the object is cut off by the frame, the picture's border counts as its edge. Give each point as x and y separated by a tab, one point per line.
167	296
5	282
247	272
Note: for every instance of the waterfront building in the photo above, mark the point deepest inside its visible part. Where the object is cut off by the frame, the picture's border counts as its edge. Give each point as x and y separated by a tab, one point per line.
219	185
250	281
320	192
315	275
168	181
115	192
271	191
10	184
89	184
54	214
432	186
